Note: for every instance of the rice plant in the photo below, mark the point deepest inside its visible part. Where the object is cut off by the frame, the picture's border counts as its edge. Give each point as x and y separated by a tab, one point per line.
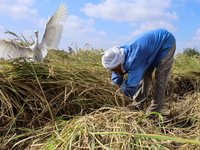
67	102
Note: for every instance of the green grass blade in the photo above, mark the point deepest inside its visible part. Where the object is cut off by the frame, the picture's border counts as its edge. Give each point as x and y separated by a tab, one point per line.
153	136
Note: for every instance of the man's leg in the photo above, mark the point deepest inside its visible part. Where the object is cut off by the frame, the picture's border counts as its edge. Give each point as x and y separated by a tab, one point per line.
161	76
143	90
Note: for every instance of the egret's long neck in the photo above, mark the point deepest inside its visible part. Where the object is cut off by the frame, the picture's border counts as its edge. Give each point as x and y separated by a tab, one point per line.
36	40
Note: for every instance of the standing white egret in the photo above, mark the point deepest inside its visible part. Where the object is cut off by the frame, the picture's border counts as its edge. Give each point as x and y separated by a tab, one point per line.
50	39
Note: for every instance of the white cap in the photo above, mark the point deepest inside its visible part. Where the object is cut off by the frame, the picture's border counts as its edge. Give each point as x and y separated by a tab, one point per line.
113	57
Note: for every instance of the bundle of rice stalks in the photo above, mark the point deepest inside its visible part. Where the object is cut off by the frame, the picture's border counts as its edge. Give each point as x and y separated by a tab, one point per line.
186	65
110	128
68	102
119	128
34	95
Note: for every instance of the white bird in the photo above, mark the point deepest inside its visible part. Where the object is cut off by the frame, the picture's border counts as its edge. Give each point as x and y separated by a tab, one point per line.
50	39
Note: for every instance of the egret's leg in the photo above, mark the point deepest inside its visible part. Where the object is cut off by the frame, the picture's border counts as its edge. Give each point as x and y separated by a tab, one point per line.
41	60
34	59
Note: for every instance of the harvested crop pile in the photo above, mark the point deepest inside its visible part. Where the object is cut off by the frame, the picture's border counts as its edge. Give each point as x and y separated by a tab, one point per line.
117	128
68	102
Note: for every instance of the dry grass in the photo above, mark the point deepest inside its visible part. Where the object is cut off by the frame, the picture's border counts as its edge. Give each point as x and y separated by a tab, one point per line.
68	103
116	128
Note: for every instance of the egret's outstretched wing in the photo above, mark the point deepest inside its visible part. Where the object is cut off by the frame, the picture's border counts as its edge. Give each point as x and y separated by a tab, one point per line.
53	31
9	49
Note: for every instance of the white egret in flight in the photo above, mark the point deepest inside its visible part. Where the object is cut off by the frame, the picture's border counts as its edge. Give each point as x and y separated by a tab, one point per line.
50	39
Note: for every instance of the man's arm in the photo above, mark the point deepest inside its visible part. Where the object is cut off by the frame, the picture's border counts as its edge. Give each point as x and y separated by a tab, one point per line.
131	84
117	79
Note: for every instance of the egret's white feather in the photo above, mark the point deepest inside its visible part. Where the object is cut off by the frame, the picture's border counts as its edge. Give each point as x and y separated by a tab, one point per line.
53	31
9	49
50	39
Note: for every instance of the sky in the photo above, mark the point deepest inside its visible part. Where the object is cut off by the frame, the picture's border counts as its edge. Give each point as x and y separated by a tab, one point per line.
104	23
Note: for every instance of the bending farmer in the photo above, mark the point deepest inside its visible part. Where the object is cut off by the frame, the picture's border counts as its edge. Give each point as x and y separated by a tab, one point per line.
139	57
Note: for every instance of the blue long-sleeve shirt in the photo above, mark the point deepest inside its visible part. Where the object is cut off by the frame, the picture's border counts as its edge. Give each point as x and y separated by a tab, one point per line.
141	52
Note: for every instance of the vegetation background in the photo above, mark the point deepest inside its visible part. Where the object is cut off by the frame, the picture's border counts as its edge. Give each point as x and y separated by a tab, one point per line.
67	102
